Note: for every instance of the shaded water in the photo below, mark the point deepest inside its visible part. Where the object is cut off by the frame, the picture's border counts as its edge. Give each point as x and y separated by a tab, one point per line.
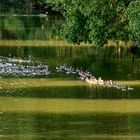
19	122
61	126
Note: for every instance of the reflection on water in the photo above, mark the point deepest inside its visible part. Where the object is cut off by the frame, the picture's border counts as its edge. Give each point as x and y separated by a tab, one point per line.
100	62
29	27
66	127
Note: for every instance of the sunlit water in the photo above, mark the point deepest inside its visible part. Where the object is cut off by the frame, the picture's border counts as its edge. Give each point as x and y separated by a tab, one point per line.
65	111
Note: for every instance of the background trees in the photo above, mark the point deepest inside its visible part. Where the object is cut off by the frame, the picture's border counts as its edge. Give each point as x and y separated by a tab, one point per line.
98	21
94	21
133	15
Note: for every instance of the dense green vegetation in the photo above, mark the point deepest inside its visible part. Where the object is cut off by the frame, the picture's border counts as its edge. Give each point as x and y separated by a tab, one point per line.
91	21
133	13
99	21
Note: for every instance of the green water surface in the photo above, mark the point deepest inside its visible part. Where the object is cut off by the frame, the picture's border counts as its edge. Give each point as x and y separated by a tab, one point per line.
62	107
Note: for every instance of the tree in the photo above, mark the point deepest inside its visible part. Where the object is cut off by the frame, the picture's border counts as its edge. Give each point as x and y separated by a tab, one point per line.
106	21
133	15
93	20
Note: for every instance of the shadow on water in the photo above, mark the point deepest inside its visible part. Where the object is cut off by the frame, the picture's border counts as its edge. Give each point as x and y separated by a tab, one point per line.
79	92
68	126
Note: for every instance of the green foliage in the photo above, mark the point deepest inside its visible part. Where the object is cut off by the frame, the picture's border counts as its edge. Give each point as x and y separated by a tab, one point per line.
98	21
93	20
57	5
103	16
76	27
133	15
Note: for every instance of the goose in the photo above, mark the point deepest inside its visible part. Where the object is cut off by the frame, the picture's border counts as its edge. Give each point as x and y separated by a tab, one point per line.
43	15
88	74
82	78
123	89
73	72
100	81
130	88
81	73
93	80
68	72
88	80
110	82
77	70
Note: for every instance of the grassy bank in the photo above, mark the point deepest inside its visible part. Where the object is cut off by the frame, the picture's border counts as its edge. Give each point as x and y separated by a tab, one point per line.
52	43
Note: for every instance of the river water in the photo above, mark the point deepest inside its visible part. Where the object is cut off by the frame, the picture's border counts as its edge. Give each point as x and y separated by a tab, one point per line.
59	111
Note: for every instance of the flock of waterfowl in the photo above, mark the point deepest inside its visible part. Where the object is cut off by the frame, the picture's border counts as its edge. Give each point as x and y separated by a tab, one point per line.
28	68
90	79
20	67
